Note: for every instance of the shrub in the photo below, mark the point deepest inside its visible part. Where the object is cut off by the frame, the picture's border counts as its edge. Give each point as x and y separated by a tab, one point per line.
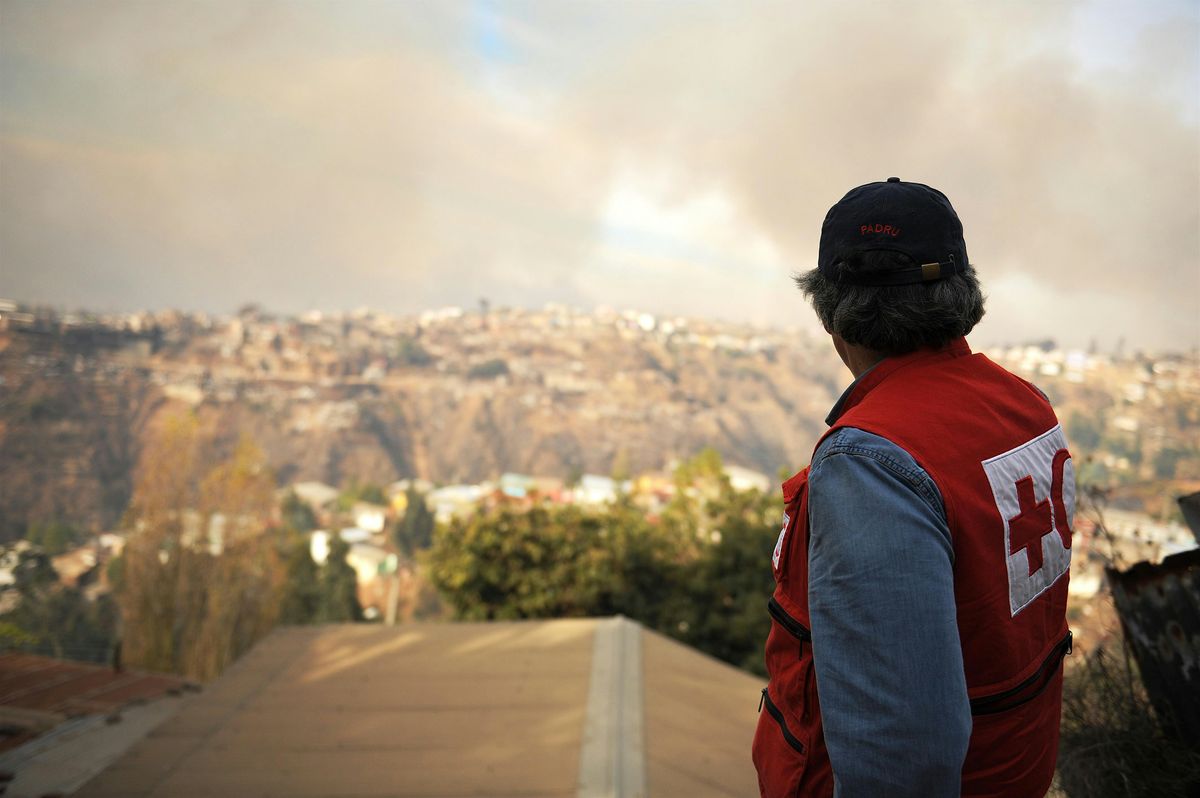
1111	742
489	369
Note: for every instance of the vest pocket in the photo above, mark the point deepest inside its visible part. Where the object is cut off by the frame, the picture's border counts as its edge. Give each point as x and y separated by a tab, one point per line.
789	624
1027	690
787	719
780	752
777	713
789	665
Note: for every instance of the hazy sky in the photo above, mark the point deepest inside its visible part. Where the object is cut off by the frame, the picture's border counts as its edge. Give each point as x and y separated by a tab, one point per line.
670	157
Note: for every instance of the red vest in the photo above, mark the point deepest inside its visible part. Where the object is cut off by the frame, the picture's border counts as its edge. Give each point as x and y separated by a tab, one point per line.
992	445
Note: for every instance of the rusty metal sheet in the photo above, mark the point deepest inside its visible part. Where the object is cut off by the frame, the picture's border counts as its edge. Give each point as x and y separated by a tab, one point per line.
1190	507
1159	607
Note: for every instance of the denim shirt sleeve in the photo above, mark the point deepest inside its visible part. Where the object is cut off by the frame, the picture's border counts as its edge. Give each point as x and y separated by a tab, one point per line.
884	635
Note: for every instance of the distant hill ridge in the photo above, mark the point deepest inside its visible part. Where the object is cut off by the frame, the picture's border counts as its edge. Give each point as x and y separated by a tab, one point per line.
451	396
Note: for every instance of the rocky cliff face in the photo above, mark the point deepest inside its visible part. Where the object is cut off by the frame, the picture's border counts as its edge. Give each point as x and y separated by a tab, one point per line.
481	397
69	442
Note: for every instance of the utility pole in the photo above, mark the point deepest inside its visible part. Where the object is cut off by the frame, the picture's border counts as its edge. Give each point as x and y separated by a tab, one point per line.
392	566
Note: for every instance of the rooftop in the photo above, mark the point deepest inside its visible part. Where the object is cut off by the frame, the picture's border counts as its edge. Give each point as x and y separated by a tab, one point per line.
45	691
63	722
532	708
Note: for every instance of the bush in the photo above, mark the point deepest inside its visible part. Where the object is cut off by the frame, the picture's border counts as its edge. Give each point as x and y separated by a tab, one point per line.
488	369
55	537
360	492
554	562
1111	742
700	573
410	353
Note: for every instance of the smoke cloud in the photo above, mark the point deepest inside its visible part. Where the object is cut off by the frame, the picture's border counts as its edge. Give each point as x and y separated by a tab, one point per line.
677	158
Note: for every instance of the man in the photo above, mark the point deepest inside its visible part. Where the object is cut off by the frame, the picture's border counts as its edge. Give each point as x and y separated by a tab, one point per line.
919	617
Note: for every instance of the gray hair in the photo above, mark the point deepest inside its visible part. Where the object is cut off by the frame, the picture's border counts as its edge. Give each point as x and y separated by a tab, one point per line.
894	319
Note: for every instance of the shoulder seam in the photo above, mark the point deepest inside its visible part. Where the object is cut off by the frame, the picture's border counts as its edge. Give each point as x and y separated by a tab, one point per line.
919	481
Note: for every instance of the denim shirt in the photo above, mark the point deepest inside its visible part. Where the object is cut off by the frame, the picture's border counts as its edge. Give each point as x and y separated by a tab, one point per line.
894	706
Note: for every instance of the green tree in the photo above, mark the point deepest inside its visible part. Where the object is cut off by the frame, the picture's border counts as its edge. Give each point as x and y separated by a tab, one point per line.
54	537
704	468
338	598
297	514
648	565
14	637
54	619
409	352
698	481
360	492
414	530
551	562
372	493
701	573
487	370
302	592
731	580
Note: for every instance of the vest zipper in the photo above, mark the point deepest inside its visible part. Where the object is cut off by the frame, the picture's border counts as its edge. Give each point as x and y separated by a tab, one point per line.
790	624
1012	697
777	714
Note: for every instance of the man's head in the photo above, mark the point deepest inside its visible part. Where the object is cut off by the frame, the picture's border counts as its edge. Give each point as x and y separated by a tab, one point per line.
892	273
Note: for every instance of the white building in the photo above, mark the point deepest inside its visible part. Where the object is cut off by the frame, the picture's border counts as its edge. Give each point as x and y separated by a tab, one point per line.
454	500
594	489
367	560
371	517
747	479
315	494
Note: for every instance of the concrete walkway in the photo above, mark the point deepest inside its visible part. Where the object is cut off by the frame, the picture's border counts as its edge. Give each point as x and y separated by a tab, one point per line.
64	759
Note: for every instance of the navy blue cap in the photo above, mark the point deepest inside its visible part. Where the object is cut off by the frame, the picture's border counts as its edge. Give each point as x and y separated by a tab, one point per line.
911	219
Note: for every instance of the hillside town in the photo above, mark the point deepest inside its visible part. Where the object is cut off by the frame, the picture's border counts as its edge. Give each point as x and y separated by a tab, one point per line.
363	449
199	358
453	397
1135	416
1133	420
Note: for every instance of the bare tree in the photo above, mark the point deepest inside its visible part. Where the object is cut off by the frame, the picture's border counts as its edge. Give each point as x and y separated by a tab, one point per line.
203	574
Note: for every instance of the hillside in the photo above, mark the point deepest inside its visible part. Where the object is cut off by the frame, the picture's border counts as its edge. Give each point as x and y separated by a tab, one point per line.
447	397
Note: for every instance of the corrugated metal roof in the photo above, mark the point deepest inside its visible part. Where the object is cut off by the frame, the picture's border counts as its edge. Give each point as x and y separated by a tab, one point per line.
535	708
62	722
61	689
